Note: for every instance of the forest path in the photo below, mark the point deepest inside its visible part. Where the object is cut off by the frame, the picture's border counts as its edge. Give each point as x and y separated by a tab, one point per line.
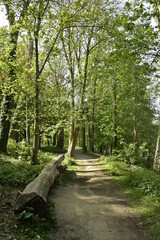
93	207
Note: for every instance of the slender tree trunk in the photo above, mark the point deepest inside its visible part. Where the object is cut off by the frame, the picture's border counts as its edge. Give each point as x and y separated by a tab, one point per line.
84	148
91	137
135	131
111	150
14	132
30	53
72	134
115	139
135	134
92	130
156	164
27	125
60	138
106	150
72	145
101	148
54	139
36	109
8	103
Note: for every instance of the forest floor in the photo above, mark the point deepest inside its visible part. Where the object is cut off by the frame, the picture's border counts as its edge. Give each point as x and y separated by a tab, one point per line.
93	207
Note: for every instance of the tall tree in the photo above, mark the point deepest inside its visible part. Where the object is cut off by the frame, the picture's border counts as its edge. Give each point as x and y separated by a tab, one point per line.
8	103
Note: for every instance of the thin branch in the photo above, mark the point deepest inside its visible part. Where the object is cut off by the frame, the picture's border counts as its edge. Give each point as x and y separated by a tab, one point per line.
51	49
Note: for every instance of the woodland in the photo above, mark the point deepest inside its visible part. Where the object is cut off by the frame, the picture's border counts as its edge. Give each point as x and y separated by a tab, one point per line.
79	74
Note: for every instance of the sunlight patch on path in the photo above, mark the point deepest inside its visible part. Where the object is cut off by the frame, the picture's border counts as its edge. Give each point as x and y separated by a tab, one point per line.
93	208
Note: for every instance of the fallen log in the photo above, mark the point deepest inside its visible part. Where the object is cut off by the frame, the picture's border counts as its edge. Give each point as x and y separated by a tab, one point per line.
35	193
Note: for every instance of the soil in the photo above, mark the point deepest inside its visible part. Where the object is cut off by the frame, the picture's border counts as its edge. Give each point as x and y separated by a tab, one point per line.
93	207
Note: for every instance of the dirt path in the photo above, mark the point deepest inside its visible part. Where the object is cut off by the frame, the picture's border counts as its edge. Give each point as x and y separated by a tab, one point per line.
93	208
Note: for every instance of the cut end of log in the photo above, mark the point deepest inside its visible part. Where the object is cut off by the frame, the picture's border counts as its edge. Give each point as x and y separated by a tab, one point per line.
31	200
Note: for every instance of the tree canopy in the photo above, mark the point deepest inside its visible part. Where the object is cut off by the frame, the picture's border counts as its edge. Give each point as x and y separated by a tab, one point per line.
81	73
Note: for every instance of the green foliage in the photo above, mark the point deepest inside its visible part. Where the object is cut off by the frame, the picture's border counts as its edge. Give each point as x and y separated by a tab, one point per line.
16	172
70	162
134	154
143	188
113	167
17	169
33	227
53	149
19	150
26	214
145	180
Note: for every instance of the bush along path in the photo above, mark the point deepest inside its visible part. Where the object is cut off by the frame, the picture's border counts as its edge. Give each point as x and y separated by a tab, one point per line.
93	207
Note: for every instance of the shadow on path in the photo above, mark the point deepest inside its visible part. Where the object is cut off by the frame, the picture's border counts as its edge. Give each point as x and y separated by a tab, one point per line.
93	208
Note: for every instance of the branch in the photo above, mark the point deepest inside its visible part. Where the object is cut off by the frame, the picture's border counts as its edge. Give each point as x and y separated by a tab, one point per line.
97	44
51	49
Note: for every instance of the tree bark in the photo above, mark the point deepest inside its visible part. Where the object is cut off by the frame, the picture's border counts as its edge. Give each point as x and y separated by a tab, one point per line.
84	148
156	164
27	125
14	132
72	144
36	108
115	139
8	103
54	139
30	53
35	194
60	138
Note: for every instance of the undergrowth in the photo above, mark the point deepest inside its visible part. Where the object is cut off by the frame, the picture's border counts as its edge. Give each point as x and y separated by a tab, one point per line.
70	162
35	227
53	149
143	188
16	171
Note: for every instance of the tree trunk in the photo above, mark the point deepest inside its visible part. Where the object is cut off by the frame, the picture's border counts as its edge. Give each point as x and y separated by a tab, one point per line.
30	53
60	138
27	125
106	150
156	164
84	148
115	139
101	148
54	139
14	132
36	192
8	103
91	137
72	144
36	109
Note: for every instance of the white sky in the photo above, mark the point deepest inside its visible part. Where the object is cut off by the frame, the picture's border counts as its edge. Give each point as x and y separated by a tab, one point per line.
3	19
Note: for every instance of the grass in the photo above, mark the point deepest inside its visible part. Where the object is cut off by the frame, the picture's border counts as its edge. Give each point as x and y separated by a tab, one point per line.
143	189
67	177
70	162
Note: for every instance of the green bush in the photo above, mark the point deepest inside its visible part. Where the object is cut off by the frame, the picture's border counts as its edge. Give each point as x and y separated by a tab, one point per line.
53	149
15	172
143	189
147	181
19	150
69	161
